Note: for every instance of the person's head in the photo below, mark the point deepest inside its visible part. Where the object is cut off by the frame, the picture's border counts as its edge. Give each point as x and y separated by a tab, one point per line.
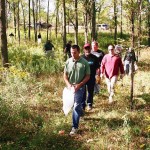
118	49
75	51
87	49
111	49
70	42
130	49
48	41
94	46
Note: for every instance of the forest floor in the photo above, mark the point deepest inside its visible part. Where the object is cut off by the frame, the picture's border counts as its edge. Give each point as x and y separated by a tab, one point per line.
106	127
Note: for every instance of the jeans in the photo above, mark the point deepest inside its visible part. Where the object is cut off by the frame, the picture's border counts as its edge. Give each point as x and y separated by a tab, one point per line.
90	90
77	109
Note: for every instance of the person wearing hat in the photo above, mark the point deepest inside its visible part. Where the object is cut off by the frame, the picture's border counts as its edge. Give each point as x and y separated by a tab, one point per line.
111	66
94	65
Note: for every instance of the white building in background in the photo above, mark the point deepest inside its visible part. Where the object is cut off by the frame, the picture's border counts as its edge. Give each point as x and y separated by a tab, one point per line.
102	26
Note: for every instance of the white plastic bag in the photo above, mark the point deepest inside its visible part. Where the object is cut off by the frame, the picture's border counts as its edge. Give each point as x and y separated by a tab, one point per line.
68	100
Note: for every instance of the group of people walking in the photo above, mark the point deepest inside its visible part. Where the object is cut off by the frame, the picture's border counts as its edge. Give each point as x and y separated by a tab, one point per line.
80	74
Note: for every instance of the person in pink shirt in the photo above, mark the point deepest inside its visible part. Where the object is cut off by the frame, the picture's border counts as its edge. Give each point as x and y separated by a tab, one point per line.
111	67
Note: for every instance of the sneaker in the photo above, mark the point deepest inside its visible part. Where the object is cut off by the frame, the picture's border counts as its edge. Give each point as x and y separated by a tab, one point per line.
110	100
89	108
73	131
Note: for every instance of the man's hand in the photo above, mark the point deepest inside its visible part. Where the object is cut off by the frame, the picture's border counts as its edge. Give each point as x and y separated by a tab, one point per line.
98	79
121	76
101	75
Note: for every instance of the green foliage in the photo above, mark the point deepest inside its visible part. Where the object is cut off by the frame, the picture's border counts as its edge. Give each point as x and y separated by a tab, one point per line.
34	63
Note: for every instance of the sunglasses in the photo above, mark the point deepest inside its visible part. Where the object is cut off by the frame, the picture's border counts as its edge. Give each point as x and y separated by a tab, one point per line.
110	49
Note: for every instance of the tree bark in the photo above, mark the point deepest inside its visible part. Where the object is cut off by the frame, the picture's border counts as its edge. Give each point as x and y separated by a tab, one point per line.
93	21
132	86
34	21
76	22
29	32
24	20
64	24
15	22
86	21
4	50
57	17
18	20
115	20
132	29
121	31
148	23
47	18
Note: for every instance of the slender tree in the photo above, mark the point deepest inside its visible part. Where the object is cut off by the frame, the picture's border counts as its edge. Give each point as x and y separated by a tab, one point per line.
4	50
18	21
93	21
29	30
64	24
47	18
76	21
24	19
115	21
34	20
86	19
139	21
15	22
148	23
121	30
57	17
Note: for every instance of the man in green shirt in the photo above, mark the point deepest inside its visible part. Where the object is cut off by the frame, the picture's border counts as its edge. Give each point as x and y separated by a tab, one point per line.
76	74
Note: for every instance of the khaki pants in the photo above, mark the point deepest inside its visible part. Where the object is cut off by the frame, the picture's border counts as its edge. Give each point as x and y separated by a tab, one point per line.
110	85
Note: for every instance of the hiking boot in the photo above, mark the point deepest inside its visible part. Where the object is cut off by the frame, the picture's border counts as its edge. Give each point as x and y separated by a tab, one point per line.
73	131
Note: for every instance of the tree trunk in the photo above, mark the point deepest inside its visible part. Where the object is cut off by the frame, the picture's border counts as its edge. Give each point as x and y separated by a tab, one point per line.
93	21
34	21
39	16
121	31
139	22
47	18
76	22
24	20
15	22
64	24
86	21
4	50
132	29
149	23
18	19
132	86
29	32
115	20
57	9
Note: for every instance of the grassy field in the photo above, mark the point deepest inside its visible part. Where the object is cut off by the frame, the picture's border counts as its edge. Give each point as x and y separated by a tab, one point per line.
31	113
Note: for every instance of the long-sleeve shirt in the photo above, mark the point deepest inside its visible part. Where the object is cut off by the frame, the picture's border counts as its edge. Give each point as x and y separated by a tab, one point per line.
111	65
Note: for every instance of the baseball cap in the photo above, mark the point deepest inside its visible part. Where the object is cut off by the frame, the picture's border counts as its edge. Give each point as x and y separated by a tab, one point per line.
87	45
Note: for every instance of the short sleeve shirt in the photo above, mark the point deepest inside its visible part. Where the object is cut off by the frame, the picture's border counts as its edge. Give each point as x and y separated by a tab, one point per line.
93	62
76	70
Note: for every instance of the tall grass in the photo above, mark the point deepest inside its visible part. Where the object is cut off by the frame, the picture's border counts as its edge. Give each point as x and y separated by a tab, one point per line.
34	62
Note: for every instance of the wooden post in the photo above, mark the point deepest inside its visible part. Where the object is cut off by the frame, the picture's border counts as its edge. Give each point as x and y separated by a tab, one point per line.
132	85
